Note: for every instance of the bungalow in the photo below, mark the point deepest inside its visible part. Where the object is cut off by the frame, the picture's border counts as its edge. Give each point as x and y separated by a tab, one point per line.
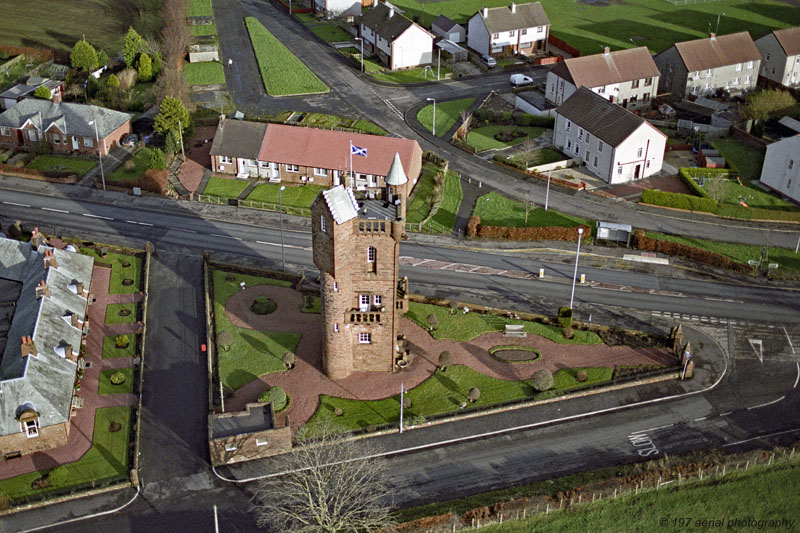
781	52
39	364
397	41
704	66
781	170
626	77
10	97
301	155
448	29
614	144
66	127
509	30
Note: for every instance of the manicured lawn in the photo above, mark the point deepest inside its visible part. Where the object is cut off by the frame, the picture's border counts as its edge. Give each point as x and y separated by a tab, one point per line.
107	458
61	163
746	159
253	353
113	317
419	206
444	392
282	73
743	495
142	161
334	121
301	196
483	138
460	327
331	33
413	75
119	272
498	210
306	18
203	29
445	217
542	156
447	114
106	387
753	195
368	127
312	304
207	73
199	8
110	349
225	187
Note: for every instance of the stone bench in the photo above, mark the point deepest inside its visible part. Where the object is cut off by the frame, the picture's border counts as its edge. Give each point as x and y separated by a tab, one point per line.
515	330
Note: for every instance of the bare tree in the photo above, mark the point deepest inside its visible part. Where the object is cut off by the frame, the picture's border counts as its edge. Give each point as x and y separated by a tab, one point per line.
332	485
716	187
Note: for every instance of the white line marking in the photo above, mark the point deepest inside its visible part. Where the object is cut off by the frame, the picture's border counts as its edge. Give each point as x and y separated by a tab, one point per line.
446	266
236	238
16	204
653	429
788	339
51	209
97	216
766	404
762	437
218	235
131	222
181	229
268	243
798	376
144	223
726	414
701	418
93	515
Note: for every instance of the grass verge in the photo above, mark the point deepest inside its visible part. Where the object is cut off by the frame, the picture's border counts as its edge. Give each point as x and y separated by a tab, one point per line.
412	75
113	313
445	217
331	33
447	114
106	387
111	351
225	187
206	73
498	210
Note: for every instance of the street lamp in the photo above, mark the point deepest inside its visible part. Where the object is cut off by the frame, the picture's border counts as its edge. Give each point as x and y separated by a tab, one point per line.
438	64
433	124
362	52
547	194
575	274
99	153
280	214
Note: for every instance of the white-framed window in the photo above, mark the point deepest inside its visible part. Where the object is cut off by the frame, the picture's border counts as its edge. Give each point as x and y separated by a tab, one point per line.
32	135
336	327
512	33
561	83
750	64
709	72
639	152
363	301
647	165
648	82
293	168
5	132
377	300
365	338
619	170
601	89
580	134
588	137
56	138
600	145
569	125
789	184
523	31
635	84
569	144
735	81
796	60
646	96
588	156
322	224
226	159
371	253
262	442
495	36
595	160
577	149
707	86
263	164
320	172
230	447
88	141
335	286
31	428
540	29
767	58
748	78
738	67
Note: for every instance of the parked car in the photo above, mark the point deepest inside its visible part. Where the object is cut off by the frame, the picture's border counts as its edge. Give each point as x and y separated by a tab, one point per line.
489	61
129	140
518	80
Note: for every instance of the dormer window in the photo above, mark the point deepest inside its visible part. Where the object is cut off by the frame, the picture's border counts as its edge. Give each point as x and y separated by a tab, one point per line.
31	428
28	420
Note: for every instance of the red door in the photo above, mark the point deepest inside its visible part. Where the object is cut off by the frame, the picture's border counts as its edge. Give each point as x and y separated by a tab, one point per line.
20	138
636	172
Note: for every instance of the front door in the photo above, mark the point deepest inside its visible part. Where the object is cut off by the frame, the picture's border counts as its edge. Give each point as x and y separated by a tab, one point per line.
636	172
276	173
336	179
20	138
242	166
74	143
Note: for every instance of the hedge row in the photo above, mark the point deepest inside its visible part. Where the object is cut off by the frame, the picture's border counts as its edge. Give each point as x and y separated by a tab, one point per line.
758	213
678	201
154	181
33	172
458	143
544	233
692	253
687	175
507	118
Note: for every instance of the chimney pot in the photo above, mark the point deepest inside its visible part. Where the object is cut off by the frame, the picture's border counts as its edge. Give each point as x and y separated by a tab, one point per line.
391	12
513	7
485	12
712	35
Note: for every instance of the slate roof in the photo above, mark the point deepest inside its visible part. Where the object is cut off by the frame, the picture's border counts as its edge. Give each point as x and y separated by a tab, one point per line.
378	20
502	19
719	51
33	83
341	203
789	39
444	23
255	417
605	69
45	380
237	138
74	117
609	122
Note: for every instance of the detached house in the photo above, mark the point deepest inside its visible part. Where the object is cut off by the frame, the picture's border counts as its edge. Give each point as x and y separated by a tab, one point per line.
613	143
704	66
395	39
625	77
66	127
781	170
505	31
300	155
780	50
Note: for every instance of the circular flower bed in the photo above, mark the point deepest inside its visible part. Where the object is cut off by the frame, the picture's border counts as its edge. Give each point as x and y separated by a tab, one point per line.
514	354
278	397
124	312
263	306
127	282
113	427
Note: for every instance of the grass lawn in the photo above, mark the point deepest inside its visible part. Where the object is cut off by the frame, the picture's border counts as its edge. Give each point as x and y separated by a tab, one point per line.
198	8
113	316
203	29
207	73
751	494
412	75
542	156
459	327
483	138
63	163
142	161
442	393
106	387
368	127
418	206
225	187
306	18
110	349
312	304
447	114
331	33
106	459
746	159
334	121
118	271
253	353
498	210
282	73
301	196
445	217
785	257
753	195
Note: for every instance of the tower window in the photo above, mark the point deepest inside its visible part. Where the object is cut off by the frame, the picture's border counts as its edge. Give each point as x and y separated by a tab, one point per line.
371	252
336	286
378	300
365	338
336	327
322	223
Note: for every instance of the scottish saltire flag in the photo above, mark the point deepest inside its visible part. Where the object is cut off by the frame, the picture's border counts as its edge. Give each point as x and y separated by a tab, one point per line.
357	150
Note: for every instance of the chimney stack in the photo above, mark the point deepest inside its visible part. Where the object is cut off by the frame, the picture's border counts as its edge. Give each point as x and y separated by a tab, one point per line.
50	260
76	321
37	239
42	290
606	50
485	12
391	12
513	7
27	347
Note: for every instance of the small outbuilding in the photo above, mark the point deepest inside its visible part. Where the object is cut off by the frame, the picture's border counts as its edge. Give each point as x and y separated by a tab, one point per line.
200	53
610	231
448	29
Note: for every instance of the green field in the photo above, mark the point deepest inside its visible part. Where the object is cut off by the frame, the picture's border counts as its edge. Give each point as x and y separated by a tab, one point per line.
225	187
141	160
106	387
498	210
301	196
282	73
59	25
62	163
119	272
483	138
445	217
656	24
447	114
207	73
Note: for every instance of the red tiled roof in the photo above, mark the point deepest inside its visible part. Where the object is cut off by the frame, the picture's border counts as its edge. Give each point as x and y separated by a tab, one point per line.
312	147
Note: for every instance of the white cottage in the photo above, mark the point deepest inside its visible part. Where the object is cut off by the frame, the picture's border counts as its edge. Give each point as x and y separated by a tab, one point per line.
506	31
396	40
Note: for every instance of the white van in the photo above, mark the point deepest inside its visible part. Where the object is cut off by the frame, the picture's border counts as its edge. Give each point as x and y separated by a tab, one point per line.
518	80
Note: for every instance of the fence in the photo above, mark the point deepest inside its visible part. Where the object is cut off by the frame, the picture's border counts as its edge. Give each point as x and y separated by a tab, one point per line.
563	46
5	67
142	340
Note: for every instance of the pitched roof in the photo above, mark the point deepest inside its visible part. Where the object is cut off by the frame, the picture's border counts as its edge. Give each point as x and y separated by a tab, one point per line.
444	23
317	148
526	16
609	122
789	39
76	117
605	69
389	27
341	203
238	138
28	87
719	51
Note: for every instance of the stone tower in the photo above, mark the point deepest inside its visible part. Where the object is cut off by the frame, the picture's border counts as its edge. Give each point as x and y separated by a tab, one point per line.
356	248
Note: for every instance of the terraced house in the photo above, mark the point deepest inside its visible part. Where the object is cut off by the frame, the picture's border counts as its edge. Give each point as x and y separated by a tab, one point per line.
44	295
509	30
781	52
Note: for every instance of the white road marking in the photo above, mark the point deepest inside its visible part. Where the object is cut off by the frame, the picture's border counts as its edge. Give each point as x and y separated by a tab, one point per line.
760	350
268	243
653	429
766	404
798	376
701	418
181	229
726	414
762	437
16	204
97	216
446	266
788	339
218	235
131	222
51	209
144	223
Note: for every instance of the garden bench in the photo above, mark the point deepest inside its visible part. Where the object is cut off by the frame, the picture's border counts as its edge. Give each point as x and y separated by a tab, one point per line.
515	330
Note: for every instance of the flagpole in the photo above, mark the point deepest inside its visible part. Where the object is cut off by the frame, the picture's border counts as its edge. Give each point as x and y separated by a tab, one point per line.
351	163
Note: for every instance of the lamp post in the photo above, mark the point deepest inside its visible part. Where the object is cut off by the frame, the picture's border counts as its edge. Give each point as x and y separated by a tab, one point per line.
280	214
362	52
99	153
575	274
438	64
433	124
716	30
547	194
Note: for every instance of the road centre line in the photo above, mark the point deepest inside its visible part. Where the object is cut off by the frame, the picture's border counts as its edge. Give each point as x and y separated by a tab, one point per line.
762	437
653	429
51	209
218	235
16	204
766	404
726	413
268	243
97	216
144	223
701	418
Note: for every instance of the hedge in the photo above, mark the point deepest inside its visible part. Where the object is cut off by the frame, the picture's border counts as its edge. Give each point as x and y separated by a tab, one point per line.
678	201
507	118
692	253
688	175
545	233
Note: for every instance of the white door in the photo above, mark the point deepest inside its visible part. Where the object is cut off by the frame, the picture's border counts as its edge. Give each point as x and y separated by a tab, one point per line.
336	179
363	302
276	173
242	166
74	143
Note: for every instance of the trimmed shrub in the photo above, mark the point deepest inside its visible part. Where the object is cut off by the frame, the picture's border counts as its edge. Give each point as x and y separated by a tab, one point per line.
406	402
568	332
121	341
117	378
473	226
433	321
474	394
277	396
114	426
542	380
58	476
288	359
564	316
581	376
692	253
263	306
445	360
129	166
225	339
338	411
546	233
678	201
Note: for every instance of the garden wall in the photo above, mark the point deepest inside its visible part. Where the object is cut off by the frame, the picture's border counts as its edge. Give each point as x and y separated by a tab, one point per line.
748	139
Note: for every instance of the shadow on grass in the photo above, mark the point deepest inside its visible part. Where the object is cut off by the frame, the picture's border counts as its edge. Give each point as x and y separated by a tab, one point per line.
451	385
239	378
781	14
